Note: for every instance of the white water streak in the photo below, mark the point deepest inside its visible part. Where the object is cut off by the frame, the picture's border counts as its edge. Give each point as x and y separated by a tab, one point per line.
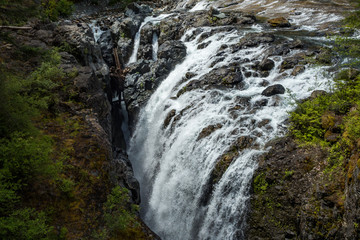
97	32
157	19
155	46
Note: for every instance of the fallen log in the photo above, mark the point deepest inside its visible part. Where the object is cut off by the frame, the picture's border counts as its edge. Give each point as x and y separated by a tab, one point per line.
16	28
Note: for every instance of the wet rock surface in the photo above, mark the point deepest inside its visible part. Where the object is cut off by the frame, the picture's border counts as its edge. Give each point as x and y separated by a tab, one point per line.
273	90
293	196
279	22
144	76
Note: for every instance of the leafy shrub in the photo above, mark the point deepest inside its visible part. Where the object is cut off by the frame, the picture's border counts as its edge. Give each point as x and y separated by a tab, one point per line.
24	224
306	119
53	9
117	217
22	99
22	158
24	150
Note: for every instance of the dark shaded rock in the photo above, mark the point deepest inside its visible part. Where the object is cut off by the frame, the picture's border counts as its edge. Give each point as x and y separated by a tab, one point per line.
129	27
317	93
141	66
122	170
106	45
168	118
147	33
273	90
203	45
253	40
174	50
142	80
213	11
134	8
261	103
223	77
124	49
171	29
263	123
297	70
296	44
266	65
264	83
278	50
130	81
289	62
279	22
162	67
279	187
189	75
145	52
209	130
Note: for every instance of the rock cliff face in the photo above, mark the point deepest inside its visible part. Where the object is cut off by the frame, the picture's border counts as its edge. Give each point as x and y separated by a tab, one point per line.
296	196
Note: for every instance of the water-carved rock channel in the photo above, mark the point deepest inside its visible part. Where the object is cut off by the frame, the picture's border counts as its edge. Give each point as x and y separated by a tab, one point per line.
208	85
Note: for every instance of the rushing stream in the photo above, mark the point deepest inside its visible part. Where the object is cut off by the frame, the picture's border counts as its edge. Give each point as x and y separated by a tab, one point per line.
173	164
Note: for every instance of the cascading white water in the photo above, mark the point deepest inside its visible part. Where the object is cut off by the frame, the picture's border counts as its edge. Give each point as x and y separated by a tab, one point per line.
96	30
174	166
155	46
157	19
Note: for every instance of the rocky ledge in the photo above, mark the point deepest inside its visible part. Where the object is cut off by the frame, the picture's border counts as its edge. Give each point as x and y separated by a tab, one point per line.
297	194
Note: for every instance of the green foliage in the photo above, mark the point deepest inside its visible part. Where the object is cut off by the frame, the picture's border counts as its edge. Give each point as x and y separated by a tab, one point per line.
117	218
66	186
260	184
24	224
16	112
306	119
22	158
25	152
17	12
347	46
288	173
21	99
53	9
352	125
352	20
306	122
26	52
8	198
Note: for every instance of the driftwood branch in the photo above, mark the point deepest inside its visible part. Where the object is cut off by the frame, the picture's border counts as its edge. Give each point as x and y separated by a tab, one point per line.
117	61
16	28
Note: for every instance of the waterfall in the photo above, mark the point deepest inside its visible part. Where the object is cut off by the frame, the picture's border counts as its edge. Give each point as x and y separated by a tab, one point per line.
157	19
155	46
173	164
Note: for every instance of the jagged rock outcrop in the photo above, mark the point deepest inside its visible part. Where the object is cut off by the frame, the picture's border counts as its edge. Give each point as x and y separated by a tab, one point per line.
297	196
224	77
144	76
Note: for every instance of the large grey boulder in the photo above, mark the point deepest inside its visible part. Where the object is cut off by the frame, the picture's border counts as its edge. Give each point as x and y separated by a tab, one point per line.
273	90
